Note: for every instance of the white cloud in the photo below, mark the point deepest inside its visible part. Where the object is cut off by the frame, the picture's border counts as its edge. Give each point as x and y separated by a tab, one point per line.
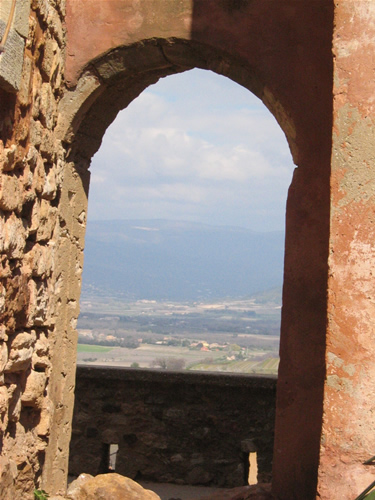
195	146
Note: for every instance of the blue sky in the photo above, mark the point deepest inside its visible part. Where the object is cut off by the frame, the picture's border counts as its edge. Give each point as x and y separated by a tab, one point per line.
195	146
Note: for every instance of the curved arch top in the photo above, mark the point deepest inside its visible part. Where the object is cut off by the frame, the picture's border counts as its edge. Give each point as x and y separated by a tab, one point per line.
111	81
265	46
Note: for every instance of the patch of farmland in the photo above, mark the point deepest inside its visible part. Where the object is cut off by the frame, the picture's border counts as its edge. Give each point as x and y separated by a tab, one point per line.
267	367
143	356
92	348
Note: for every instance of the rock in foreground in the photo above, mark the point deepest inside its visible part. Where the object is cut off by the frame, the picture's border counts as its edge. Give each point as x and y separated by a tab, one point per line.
108	487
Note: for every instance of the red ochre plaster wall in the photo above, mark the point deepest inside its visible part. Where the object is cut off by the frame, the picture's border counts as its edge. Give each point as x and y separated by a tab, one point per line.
348	437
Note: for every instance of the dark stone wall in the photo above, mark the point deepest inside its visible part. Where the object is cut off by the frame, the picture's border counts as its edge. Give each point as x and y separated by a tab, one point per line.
181	427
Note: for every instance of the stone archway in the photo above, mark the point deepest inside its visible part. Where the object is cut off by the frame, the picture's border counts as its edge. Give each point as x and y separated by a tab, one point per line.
311	64
110	81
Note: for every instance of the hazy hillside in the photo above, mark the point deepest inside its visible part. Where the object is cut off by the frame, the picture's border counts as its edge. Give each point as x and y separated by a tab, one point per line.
159	259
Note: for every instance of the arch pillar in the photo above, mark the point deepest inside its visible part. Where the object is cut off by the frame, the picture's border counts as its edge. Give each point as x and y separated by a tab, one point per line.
324	105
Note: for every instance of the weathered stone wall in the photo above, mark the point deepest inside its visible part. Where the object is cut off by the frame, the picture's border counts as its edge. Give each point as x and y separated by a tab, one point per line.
32	235
179	427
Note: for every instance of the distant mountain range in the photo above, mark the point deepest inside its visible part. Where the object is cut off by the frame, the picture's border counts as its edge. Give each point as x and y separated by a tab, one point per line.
177	260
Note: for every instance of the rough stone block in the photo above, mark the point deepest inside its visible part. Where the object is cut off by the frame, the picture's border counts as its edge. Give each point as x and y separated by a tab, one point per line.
36	131
50	58
39	310
42	345
47	107
8	472
55	25
39	175
40	362
14	237
3	334
3	407
23	94
5	271
45	418
2	300
69	105
39	260
48	146
37	85
11	60
49	189
10	195
34	217
19	359
23	339
47	220
34	389
42	6
8	157
2	233
14	391
5	6
108	486
28	193
3	356
21	17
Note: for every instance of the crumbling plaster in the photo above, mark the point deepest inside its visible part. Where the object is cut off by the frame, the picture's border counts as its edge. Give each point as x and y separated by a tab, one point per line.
349	416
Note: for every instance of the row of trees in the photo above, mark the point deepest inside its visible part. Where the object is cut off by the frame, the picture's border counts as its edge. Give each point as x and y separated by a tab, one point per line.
168	363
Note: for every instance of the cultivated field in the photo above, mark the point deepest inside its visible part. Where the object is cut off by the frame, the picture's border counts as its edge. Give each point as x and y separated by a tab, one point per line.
228	335
145	355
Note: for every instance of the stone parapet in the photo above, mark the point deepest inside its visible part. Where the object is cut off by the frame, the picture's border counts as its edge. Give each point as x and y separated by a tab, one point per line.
182	427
